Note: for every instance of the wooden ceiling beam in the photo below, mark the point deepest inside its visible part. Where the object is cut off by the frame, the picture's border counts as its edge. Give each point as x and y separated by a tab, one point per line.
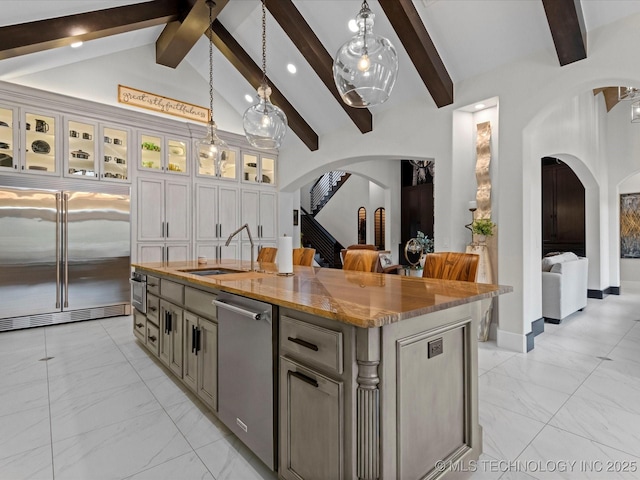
416	40
241	60
31	37
304	38
566	22
179	37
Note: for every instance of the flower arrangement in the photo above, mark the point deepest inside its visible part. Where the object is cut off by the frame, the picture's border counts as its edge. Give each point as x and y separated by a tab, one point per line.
483	226
425	242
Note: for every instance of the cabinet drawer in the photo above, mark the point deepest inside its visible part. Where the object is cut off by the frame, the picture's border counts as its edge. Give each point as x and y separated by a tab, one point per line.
172	291
139	325
153	307
153	342
200	302
311	344
153	285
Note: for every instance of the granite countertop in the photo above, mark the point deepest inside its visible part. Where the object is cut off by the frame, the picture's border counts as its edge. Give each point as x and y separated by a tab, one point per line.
358	298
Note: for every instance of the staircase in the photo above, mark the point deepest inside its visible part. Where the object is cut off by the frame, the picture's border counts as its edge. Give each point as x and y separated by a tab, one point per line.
315	236
325	188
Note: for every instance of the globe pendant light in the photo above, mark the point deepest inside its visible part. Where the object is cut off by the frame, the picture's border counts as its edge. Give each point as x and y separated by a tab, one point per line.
366	67
265	125
211	146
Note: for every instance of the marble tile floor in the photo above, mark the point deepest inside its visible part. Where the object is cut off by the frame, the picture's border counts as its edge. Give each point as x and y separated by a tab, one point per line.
84	401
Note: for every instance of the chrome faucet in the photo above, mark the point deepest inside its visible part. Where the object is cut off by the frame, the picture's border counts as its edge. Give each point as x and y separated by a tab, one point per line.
246	225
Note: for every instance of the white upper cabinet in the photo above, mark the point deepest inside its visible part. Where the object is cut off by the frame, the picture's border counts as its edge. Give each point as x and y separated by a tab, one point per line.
9	138
258	168
94	151
41	137
164	154
228	165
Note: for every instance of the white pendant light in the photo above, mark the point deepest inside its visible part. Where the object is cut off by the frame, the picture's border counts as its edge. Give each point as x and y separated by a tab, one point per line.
265	125
366	67
211	146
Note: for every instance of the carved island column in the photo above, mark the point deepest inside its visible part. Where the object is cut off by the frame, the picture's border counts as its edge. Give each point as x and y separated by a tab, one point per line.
368	403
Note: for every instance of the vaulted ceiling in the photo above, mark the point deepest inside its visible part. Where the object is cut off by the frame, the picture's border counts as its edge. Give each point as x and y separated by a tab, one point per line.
439	43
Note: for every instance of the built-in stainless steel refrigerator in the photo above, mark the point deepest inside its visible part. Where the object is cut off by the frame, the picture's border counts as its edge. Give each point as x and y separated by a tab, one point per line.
64	255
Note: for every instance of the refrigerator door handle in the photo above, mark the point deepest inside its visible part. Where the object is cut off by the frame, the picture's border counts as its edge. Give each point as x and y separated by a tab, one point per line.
65	217
57	250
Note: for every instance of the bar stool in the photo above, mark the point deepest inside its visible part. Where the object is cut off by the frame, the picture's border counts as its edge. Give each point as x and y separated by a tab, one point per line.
267	254
303	256
451	266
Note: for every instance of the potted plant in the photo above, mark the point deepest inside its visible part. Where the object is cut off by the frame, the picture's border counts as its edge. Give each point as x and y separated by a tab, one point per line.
482	228
427	246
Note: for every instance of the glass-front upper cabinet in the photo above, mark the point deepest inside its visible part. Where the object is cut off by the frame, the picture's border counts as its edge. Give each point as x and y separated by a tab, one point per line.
258	168
80	149
8	136
164	154
115	161
176	156
151	152
228	164
40	143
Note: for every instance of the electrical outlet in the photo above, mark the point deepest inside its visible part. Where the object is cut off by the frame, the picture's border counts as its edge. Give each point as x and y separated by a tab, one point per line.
435	347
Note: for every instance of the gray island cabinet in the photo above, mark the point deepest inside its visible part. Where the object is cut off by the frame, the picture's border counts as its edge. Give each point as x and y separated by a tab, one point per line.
375	376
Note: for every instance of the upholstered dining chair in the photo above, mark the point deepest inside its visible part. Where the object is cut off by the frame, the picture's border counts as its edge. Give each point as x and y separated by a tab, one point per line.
303	256
361	260
267	254
451	266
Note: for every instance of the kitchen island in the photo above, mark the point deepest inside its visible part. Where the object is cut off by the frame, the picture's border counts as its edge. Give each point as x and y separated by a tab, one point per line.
374	375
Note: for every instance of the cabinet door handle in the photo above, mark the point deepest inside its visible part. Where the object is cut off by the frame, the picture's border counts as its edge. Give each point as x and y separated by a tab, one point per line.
153	309
152	338
193	339
303	343
198	336
167	322
162	230
167	254
139	325
304	378
167	229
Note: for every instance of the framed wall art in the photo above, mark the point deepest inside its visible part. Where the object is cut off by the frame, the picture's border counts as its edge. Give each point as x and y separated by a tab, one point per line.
630	225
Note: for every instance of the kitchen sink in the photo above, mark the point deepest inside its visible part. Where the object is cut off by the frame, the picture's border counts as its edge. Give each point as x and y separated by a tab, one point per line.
211	271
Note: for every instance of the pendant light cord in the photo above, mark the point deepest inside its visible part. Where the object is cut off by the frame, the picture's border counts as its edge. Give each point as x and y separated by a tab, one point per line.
210	3
264	46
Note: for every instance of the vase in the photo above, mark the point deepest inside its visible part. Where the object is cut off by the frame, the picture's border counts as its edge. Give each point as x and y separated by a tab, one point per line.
479	239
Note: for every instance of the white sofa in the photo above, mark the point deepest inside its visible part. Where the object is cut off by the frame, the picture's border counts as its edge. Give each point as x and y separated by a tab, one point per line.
564	285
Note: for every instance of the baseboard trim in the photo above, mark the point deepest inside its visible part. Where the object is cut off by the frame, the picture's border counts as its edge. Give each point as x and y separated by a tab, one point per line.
537	327
511	341
600	294
530	340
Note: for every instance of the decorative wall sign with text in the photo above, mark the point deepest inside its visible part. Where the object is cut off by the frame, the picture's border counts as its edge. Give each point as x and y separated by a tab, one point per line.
158	103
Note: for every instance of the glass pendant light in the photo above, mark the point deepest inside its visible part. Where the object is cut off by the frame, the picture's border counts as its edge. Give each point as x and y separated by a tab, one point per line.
265	125
211	147
366	67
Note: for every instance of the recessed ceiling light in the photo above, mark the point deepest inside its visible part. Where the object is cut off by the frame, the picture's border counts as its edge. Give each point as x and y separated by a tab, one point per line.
353	26
248	98
76	44
292	68
479	106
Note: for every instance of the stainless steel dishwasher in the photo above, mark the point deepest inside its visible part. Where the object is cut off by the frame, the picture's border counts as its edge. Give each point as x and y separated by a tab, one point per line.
245	372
